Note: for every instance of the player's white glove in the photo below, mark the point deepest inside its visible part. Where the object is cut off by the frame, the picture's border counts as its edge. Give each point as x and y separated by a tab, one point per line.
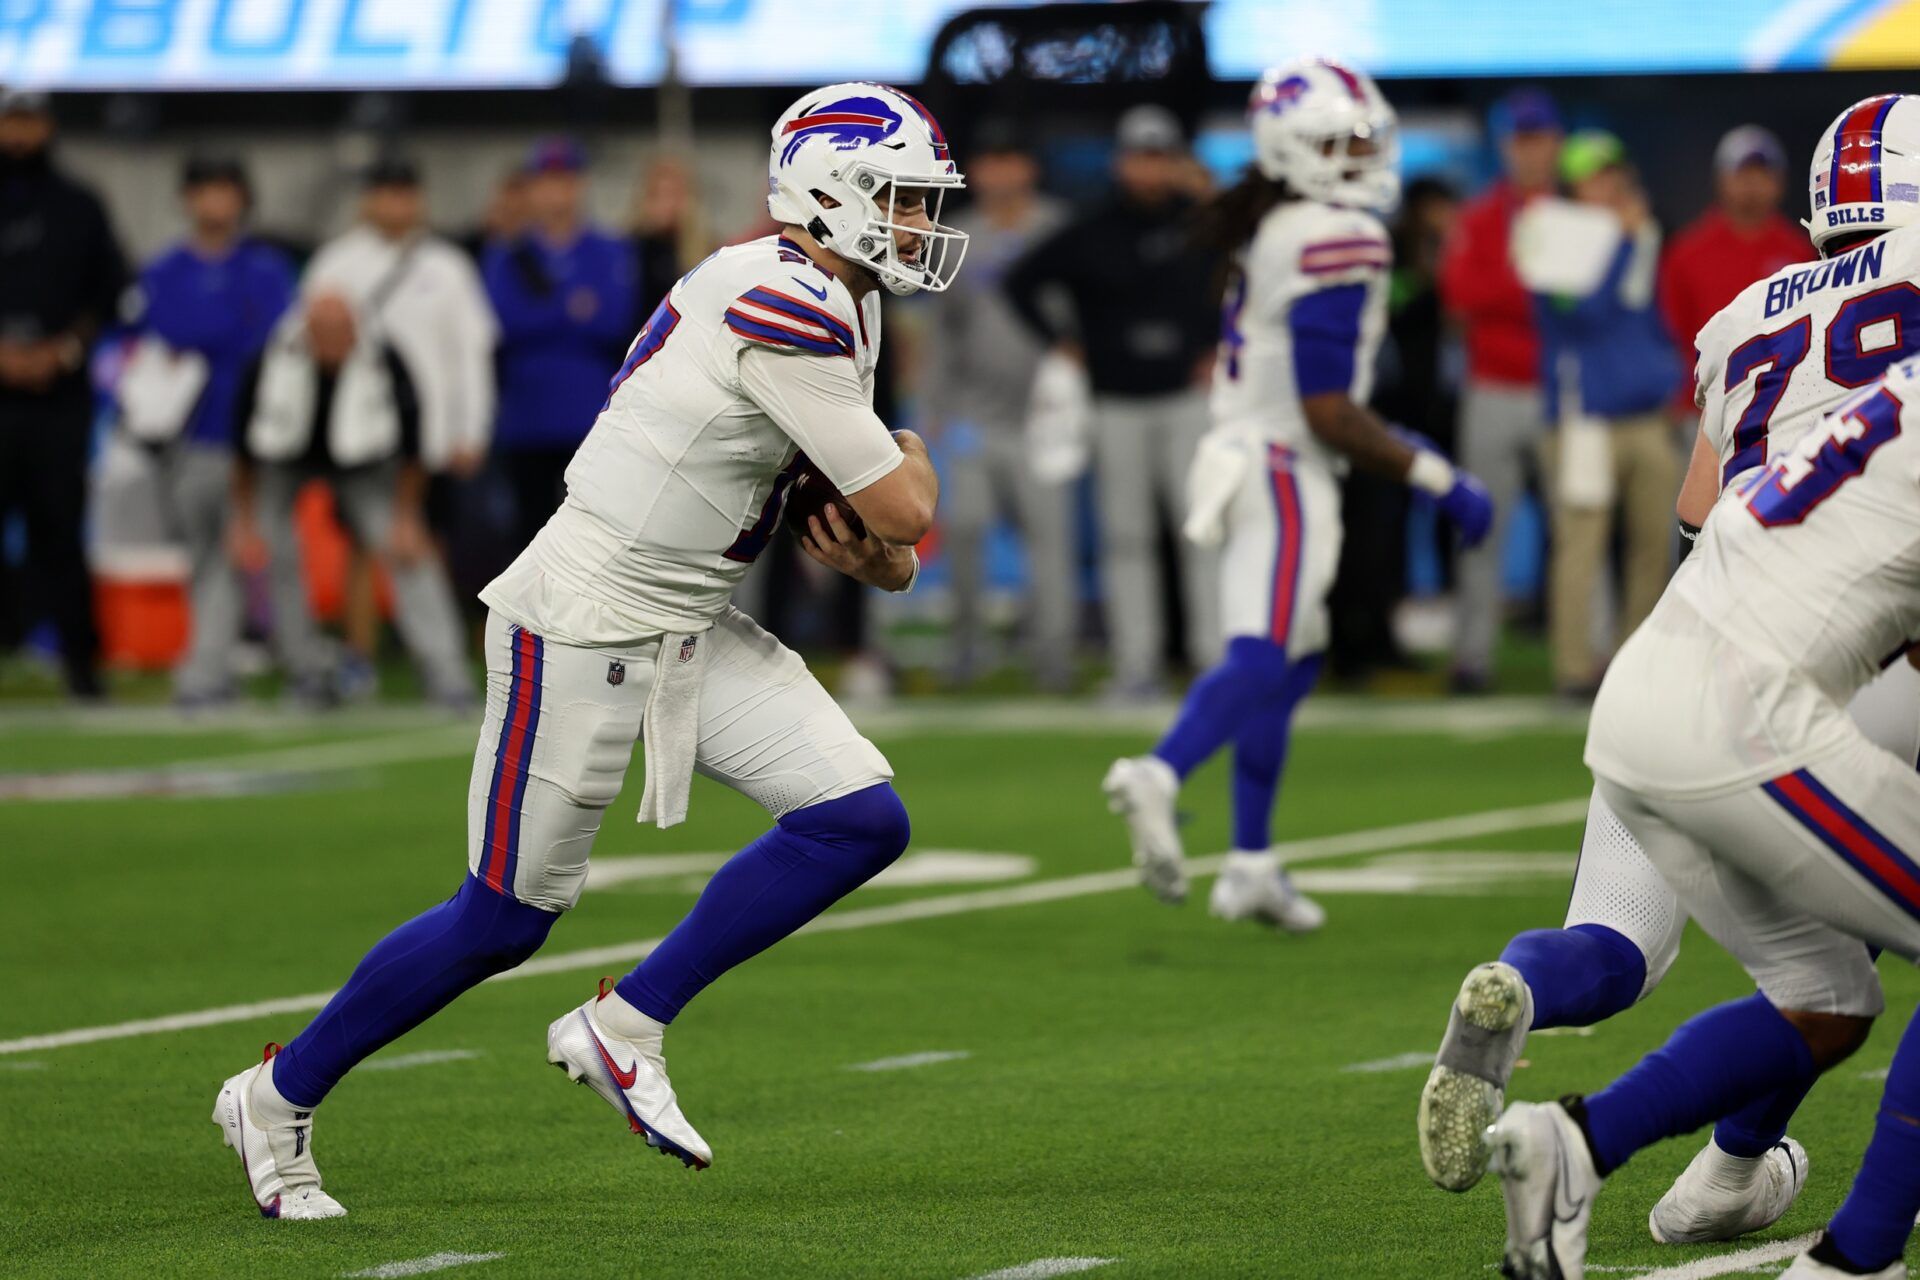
1213	482
1058	417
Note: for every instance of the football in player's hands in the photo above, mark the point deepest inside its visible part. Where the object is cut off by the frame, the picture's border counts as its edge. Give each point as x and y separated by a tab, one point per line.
809	495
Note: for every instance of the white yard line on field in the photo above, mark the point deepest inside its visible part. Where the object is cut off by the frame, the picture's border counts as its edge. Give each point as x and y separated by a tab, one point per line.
1041	1268
424	1058
420	1266
1376	840
907	1060
1728	1264
1454	716
1398	1062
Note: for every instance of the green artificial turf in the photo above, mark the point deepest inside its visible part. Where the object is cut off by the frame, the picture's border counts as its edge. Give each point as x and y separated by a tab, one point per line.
1143	1084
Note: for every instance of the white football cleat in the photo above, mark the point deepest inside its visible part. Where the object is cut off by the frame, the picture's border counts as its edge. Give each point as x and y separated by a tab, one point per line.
1808	1267
1254	886
1142	789
1486	1029
1548	1179
277	1156
629	1075
1720	1196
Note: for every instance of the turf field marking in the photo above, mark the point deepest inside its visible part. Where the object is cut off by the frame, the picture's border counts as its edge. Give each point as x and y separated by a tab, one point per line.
41	1066
1727	1264
907	1060
1398	1062
1375	840
1880	1074
424	1058
923	868
1040	1268
420	1266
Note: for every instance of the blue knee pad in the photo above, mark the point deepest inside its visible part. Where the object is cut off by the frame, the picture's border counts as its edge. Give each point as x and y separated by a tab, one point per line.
1260	664
864	833
1578	976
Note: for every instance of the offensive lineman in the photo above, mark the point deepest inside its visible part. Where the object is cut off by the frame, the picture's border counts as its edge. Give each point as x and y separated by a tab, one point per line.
1785	352
1301	322
614	627
1721	740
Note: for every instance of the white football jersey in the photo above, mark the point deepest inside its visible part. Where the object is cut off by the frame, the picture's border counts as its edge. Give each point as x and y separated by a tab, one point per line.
1304	312
1814	562
1790	348
682	480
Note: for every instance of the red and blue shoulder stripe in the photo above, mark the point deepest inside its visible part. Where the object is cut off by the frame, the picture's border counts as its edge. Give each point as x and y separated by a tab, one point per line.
768	315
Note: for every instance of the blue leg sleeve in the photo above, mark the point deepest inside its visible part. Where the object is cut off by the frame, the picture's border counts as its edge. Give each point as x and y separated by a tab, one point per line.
410	975
814	857
1714	1064
1260	756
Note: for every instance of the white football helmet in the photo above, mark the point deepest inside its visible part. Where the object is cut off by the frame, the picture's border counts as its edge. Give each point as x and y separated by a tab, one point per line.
859	144
1866	170
1306	116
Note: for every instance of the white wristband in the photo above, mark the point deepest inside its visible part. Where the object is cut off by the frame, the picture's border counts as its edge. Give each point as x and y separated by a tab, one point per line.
1430	473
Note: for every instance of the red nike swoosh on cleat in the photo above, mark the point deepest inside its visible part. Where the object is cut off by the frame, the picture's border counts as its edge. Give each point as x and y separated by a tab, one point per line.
625	1078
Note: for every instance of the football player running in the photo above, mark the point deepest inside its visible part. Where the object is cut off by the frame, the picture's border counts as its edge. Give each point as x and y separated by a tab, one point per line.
1720	738
1787	351
1302	317
613	627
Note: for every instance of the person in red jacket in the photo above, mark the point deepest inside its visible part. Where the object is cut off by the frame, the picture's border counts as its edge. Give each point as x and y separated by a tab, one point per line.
1742	238
1500	410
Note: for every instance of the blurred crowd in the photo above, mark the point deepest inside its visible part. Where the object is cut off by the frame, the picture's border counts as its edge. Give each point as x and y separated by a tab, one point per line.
424	393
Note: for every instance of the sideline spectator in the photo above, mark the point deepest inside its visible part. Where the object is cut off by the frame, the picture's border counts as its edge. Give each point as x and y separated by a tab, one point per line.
504	218
1608	367
427	300
1144	327
1500	418
207	306
978	380
670	234
425	297
61	275
1414	389
332	399
564	292
1742	238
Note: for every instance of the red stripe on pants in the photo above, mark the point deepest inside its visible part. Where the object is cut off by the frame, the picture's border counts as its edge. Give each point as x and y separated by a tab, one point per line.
1286	562
512	740
1856	841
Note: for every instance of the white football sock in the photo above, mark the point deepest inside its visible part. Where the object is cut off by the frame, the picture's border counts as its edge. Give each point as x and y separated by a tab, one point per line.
266	1107
627	1022
1729	1172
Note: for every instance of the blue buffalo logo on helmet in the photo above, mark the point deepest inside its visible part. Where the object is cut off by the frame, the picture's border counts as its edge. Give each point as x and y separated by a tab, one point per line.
846	124
1279	96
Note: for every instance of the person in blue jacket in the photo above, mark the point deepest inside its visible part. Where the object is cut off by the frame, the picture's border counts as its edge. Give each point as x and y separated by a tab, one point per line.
1607	370
207	304
565	293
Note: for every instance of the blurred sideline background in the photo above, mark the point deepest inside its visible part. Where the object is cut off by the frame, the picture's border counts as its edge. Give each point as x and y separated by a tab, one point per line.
660	109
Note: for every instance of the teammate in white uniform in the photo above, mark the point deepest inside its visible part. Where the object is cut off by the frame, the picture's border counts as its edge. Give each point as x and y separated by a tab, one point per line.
1784	353
1302	318
614	627
1721	739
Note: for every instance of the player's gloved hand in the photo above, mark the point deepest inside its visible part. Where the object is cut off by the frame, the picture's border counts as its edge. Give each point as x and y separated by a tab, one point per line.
1461	497
1468	505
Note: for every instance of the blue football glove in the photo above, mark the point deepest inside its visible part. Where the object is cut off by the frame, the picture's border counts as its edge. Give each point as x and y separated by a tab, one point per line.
1469	508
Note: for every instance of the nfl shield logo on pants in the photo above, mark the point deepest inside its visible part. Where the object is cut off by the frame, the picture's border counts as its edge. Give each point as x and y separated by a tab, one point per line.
686	649
616	673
